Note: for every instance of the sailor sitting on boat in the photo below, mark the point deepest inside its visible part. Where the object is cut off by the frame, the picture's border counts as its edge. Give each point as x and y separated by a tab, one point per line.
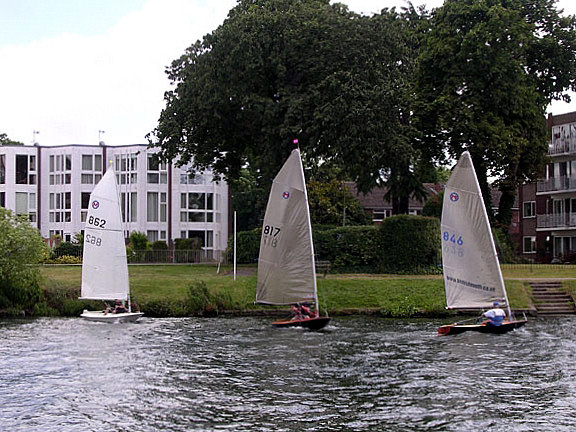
496	315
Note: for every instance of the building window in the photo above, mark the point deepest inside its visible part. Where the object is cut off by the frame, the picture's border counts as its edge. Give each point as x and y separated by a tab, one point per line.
156	206
2	169
529	244
197	207
60	205
188	178
26	205
87	163
84	203
206	238
529	209
152	235
157	171
379	215
129	203
126	166
60	169
25	169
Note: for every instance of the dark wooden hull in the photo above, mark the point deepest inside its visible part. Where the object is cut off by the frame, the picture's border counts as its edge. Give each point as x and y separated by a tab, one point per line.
309	323
454	329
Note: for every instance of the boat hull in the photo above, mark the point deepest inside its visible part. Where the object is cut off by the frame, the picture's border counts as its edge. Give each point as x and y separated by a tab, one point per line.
453	329
309	323
102	316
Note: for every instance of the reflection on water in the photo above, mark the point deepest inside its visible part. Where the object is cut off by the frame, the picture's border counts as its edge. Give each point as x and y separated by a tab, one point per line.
241	374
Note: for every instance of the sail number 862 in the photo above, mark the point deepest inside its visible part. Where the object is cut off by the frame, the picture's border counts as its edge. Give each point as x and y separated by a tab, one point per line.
90	239
452	238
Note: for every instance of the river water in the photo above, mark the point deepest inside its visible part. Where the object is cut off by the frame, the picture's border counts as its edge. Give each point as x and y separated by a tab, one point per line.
240	374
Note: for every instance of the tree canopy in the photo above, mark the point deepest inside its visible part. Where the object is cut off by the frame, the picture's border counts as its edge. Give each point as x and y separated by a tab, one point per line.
384	98
279	70
487	72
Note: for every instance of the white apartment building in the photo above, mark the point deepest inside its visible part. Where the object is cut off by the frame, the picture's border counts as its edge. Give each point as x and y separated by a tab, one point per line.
52	185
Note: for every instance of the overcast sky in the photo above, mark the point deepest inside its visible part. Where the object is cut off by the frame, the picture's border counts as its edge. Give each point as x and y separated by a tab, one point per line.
73	68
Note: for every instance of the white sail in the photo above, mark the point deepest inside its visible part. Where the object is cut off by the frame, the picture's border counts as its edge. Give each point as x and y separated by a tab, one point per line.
286	272
472	275
104	266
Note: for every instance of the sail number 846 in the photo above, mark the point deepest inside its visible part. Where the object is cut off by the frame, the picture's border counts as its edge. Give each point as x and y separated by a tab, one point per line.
452	238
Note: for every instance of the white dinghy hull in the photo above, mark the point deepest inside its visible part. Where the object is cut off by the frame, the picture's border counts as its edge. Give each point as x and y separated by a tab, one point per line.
109	317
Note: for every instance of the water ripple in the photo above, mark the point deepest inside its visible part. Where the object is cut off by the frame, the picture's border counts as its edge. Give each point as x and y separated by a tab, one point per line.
242	375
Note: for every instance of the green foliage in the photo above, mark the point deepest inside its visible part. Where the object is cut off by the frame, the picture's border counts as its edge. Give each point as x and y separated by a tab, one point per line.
201	301
504	247
276	70
410	244
138	241
67	248
21	248
248	246
4	140
249	200
187	244
349	249
64	259
164	308
332	203
487	73
159	245
433	207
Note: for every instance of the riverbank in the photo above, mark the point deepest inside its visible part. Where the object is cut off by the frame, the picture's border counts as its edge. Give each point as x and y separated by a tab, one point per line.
202	290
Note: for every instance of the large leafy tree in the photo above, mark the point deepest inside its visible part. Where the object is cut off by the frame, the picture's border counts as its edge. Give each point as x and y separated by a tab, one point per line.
279	70
486	74
21	247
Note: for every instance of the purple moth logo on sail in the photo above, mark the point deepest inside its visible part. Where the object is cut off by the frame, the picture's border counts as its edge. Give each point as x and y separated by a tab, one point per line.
454	197
95	204
285	194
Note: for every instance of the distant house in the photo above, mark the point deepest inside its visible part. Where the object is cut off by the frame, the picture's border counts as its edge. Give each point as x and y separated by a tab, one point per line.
376	205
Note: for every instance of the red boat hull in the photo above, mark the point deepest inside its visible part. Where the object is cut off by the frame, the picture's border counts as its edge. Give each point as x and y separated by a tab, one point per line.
309	323
453	329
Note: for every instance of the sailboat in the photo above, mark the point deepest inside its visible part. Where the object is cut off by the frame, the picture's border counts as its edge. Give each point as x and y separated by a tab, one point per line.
104	264
286	266
472	274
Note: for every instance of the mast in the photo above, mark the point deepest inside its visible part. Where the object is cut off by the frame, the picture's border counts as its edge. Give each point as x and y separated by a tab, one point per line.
317	307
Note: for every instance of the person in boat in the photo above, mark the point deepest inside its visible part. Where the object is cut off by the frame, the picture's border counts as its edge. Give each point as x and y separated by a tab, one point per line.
296	313
119	307
495	315
306	311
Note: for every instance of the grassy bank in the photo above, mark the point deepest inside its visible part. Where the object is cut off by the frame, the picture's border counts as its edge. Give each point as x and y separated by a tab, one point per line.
181	290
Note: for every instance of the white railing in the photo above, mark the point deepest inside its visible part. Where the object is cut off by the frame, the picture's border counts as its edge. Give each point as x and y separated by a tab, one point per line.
561	220
556	184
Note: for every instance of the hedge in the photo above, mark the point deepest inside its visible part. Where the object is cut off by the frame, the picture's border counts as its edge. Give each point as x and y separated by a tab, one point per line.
402	244
411	245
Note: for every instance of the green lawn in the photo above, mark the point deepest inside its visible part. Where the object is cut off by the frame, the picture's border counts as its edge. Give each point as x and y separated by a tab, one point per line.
391	295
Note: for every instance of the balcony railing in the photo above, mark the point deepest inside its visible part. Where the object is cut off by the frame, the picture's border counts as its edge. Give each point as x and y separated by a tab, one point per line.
561	146
561	220
564	183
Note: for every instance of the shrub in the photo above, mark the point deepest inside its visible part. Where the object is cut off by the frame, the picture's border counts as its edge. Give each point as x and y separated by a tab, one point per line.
159	245
248	246
201	301
410	244
67	249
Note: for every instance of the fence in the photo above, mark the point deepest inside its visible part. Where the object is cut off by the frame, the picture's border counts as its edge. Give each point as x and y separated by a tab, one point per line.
175	257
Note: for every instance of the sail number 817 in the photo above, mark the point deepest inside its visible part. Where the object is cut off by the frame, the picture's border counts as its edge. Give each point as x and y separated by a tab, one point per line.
452	238
270	234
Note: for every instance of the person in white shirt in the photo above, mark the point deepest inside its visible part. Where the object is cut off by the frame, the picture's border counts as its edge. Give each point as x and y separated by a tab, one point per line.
495	315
